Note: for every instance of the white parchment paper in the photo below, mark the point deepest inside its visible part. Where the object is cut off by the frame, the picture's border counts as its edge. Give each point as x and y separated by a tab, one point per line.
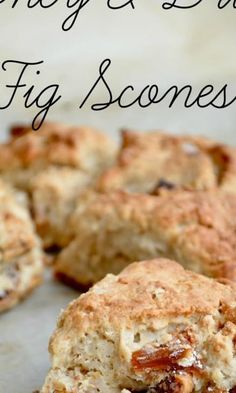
24	335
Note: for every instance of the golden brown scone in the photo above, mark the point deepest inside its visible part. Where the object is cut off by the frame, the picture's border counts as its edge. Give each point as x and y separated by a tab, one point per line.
147	160
20	255
29	152
53	165
196	228
53	195
154	328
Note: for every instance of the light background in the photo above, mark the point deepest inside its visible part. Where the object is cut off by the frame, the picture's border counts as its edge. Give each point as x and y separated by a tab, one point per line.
146	45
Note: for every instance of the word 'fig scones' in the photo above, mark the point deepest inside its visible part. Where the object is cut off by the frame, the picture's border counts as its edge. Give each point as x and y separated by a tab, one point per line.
154	328
54	164
186	161
196	228
20	257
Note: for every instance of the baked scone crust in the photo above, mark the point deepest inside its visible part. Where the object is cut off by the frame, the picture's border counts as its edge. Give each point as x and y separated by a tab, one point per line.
196	228
21	265
53	165
153	328
146	159
54	195
29	152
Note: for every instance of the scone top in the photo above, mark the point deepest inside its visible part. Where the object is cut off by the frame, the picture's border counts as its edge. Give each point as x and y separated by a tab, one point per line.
16	229
195	228
54	144
147	290
150	329
148	159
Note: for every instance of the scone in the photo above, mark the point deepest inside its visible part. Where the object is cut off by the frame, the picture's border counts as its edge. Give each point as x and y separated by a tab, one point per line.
196	228
147	160
154	328
20	255
29	152
53	198
53	165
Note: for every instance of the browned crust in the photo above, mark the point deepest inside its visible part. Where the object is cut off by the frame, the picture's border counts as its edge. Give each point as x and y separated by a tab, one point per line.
18	234
155	326
160	156
54	143
21	267
129	296
197	228
71	282
15	297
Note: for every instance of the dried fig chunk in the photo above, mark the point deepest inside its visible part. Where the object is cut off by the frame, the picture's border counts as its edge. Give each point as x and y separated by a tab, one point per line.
171	357
163	184
160	358
175	384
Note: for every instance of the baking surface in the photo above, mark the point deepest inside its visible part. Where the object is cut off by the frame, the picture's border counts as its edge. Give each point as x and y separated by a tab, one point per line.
25	331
